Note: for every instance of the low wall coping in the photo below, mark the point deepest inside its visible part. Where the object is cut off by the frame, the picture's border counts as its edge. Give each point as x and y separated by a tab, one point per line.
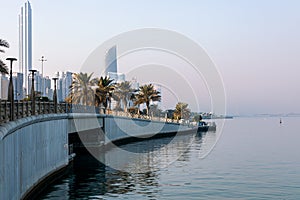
10	127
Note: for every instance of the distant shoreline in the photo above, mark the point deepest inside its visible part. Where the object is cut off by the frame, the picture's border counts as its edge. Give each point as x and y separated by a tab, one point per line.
267	115
218	117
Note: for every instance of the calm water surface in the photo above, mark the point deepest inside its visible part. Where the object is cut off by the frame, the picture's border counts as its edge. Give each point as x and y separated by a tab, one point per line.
255	158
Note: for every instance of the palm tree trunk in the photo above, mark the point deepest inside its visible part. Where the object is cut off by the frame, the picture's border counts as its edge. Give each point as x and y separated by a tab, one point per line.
148	108
125	105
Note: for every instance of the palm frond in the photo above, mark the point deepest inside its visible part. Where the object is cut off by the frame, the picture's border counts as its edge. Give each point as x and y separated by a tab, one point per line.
3	67
3	43
81	91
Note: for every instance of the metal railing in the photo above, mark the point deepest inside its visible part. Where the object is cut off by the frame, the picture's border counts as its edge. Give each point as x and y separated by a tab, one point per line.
22	109
137	116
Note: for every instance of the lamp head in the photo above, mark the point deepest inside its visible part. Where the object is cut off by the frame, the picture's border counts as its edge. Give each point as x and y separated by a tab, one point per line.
11	59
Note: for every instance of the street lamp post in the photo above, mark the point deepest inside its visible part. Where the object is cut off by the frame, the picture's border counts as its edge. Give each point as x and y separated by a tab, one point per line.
11	89
55	95
32	91
42	61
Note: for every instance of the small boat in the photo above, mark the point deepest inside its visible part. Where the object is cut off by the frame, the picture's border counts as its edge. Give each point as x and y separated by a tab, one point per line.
204	126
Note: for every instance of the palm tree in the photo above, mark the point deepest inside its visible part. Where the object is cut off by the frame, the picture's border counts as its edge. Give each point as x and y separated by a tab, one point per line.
123	92
3	67
117	98
105	87
81	91
147	94
182	111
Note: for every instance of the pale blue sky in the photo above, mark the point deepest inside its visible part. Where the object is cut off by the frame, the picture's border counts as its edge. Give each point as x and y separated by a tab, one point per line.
255	44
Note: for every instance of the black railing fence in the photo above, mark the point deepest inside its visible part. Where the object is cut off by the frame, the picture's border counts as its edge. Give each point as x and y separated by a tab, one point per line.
22	109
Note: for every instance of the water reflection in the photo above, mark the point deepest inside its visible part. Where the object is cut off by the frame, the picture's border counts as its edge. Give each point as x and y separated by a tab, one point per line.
150	155
251	162
91	179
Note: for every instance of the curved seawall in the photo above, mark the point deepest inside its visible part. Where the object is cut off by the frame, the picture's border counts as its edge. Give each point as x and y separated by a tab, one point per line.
31	149
122	129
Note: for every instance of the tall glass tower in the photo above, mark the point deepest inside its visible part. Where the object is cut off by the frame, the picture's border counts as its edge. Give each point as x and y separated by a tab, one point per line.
25	43
111	60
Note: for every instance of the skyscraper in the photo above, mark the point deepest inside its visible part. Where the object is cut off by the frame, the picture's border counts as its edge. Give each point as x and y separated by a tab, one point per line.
18	85
3	86
63	84
25	43
111	60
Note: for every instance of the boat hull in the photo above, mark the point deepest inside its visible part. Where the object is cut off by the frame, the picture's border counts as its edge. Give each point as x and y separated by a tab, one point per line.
203	128
207	127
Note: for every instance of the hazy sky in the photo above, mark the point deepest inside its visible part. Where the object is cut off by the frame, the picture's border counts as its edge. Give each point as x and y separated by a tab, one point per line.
255	44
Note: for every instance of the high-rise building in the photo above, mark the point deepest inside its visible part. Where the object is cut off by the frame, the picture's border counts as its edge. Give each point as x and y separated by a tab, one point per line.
25	43
38	86
18	85
67	82
3	86
63	83
116	77
38	82
49	93
134	84
47	87
47	83
59	86
111	60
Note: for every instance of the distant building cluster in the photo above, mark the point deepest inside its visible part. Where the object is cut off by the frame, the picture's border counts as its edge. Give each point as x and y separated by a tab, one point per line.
111	70
43	85
22	80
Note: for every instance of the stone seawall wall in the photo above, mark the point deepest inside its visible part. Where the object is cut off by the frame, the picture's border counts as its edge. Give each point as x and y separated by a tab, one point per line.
117	128
35	147
30	149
